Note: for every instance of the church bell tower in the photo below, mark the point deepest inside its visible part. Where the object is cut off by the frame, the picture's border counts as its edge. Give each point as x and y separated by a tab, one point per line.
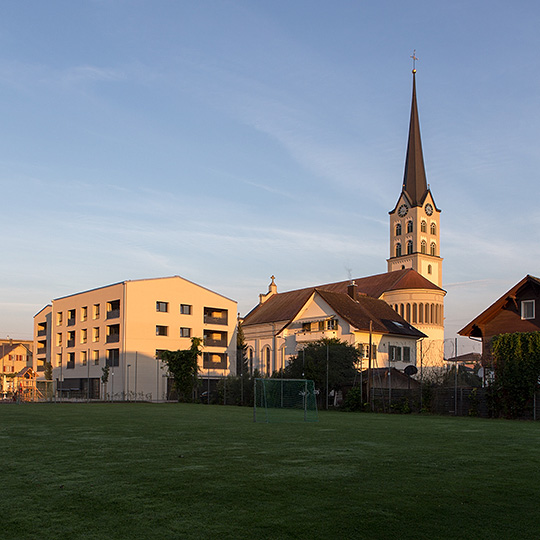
415	220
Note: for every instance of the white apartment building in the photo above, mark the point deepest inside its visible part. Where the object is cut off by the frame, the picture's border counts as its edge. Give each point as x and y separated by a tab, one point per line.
125	326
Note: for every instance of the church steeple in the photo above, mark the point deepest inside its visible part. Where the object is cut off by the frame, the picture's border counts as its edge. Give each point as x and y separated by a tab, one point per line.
414	178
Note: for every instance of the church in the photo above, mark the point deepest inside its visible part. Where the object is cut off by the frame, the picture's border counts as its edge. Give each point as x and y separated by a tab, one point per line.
396	319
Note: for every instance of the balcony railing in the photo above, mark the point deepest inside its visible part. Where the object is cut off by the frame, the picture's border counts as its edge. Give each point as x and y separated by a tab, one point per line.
70	365
71	322
113	314
215	342
113	338
42	350
71	343
42	332
208	319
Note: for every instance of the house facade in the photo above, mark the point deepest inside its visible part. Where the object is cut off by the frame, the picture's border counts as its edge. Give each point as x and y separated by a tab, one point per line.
514	311
15	356
282	324
125	326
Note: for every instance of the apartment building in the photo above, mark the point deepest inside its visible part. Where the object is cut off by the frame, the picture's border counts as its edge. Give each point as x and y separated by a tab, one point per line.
125	326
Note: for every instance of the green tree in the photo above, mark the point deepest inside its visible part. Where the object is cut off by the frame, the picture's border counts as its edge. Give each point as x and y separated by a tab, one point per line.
517	369
48	371
242	367
327	356
183	366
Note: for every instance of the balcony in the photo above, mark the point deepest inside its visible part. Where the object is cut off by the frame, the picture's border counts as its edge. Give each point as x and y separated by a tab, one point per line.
113	338
71	322
209	342
113	314
70	365
71	343
42	350
215	316
42	332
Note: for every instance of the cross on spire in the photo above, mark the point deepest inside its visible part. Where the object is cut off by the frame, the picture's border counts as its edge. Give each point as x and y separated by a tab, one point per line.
414	59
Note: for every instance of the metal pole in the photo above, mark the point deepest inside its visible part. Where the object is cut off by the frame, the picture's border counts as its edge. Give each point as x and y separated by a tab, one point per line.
135	375
157	379
127	381
208	392
369	366
421	375
112	385
88	376
254	400
327	368
456	378
61	374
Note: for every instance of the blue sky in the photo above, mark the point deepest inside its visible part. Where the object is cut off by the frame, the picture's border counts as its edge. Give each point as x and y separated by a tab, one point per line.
226	141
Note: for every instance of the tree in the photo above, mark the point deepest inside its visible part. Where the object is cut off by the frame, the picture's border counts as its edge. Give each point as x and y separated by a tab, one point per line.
183	366
327	357
48	371
242	367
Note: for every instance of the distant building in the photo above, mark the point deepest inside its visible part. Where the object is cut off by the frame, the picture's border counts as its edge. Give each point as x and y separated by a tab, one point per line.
411	285
125	326
514	311
14	357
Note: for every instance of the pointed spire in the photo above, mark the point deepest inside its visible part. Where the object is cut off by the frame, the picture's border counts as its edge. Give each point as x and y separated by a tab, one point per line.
414	178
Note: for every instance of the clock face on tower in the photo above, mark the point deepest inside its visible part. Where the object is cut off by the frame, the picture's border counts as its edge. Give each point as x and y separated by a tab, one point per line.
429	209
402	210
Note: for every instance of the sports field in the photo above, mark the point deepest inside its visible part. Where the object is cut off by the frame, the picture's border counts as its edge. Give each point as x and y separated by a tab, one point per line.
130	471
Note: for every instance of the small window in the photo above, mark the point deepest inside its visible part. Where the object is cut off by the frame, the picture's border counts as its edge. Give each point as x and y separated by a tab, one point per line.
423	226
162	330
185	332
398	250
407	355
113	358
398	229
95	311
527	309
95	357
409	247
84	313
71	361
59	339
423	247
162	306
71	317
433	228
331	324
306	327
185	309
58	359
409	226
159	352
84	335
433	249
59	318
95	334
83	358
429	269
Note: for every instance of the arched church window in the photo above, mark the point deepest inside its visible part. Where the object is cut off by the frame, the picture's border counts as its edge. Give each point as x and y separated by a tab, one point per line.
409	247
401	310
433	321
250	358
398	249
433	228
426	318
266	356
423	226
429	269
423	247
414	313
408	313
398	229
433	249
421	313
409	226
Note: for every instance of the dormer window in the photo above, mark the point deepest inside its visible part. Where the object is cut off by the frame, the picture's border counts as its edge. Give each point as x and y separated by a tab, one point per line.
527	309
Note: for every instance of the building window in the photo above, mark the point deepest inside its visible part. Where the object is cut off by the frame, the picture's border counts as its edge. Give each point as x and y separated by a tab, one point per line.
71	361
398	249
214	360
423	226
414	313
59	339
162	330
95	311
59	318
332	324
433	249
433	228
71	317
394	353
215	316
83	358
159	352
306	327
58	359
113	357
398	229
527	309
95	357
409	247
185	309
212	338
84	335
84	313
409	226
113	333
95	334
162	306
71	338
185	332
113	309
429	269
423	247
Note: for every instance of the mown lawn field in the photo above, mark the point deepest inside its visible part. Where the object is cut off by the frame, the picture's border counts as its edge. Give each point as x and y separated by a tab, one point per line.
144	471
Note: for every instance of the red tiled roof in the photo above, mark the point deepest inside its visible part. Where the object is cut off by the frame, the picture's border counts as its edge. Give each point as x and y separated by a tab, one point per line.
283	307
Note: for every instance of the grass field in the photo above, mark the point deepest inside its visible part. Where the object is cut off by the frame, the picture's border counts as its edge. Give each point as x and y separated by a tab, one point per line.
138	471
